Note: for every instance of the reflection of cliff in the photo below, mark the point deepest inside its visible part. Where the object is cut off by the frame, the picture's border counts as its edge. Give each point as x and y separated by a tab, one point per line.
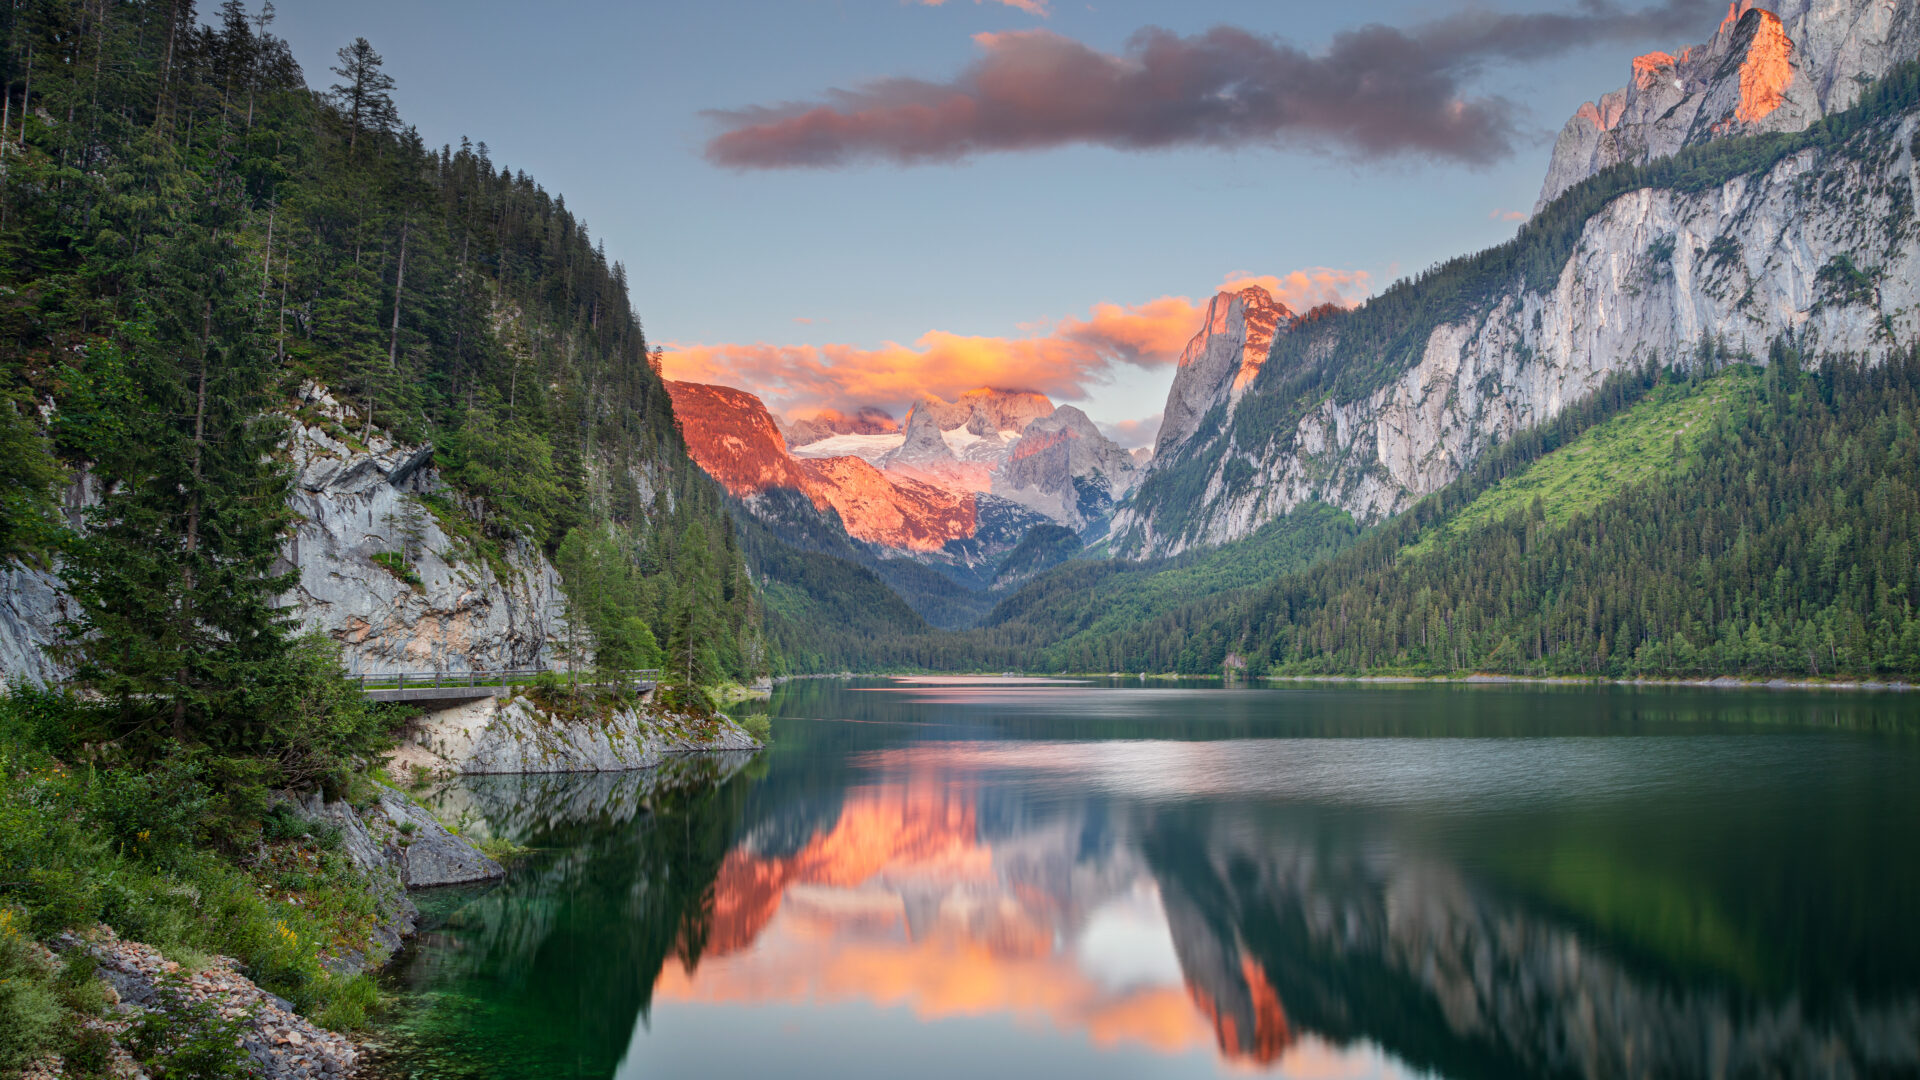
1407	952
563	955
907	898
525	806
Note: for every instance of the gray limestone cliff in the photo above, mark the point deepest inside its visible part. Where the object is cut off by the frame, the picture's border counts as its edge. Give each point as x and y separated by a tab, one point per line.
1221	360
467	609
515	735
1763	70
469	606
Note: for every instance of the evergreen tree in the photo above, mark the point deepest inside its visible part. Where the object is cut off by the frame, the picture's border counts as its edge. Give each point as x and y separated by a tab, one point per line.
365	95
175	575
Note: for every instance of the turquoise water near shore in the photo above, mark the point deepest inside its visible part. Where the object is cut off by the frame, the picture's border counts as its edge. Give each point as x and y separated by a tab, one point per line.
951	877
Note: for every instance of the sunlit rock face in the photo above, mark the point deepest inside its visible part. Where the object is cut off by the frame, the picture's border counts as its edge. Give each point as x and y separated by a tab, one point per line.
1652	275
922	487
732	436
1221	360
1763	70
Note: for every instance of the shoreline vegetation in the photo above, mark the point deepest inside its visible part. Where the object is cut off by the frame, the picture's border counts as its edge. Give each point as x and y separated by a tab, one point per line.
199	780
1721	682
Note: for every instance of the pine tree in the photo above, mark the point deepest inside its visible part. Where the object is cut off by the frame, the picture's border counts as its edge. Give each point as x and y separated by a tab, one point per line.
176	575
364	97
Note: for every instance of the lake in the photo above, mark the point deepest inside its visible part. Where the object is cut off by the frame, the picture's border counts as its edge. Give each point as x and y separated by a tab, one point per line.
944	878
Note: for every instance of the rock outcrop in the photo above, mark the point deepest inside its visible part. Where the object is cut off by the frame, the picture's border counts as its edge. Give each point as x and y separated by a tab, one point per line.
279	1043
463	611
464	608
1821	248
1220	362
492	736
399	845
1763	70
32	608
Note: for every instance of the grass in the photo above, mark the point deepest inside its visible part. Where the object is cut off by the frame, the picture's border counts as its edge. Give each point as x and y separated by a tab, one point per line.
165	857
395	563
1651	440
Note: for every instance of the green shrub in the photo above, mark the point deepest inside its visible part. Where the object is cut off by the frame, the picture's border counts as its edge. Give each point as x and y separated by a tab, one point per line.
395	563
30	1013
185	1039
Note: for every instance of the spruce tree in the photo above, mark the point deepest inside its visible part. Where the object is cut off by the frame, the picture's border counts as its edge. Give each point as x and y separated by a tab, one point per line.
175	575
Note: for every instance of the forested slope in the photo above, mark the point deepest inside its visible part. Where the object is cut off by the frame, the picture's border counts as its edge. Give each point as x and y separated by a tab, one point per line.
442	296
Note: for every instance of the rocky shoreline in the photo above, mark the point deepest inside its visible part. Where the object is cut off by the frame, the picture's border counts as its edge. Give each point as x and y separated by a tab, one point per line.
399	844
280	1043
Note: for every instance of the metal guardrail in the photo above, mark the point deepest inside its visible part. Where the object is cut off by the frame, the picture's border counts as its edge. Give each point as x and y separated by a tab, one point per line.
451	680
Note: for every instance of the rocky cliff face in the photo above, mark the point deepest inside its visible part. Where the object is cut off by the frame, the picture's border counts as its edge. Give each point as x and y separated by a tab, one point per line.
465	609
1821	248
516	736
1763	70
463	612
1221	361
957	471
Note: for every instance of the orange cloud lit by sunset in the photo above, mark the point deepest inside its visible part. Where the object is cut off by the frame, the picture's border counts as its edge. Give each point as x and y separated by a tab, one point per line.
1064	359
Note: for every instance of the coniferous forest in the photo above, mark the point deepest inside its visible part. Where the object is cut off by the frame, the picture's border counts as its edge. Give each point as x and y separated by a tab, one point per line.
192	230
1779	544
175	195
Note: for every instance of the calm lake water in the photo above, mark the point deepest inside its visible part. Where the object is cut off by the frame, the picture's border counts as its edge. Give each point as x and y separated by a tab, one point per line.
942	879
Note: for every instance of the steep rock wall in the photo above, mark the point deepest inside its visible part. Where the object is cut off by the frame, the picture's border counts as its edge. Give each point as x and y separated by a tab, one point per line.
354	501
1763	70
1821	248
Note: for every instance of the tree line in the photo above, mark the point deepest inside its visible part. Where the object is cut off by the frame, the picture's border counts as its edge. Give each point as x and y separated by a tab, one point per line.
191	233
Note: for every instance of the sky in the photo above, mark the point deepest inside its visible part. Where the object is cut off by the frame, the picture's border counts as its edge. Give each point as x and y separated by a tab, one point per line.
843	203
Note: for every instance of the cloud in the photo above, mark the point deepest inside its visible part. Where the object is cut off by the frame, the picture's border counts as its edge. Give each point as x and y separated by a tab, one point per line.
1132	433
1507	215
1304	290
1031	7
1064	359
1375	92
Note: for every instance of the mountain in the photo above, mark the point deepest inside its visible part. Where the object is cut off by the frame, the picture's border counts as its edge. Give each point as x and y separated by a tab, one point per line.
933	507
1712	239
1762	71
1221	361
732	436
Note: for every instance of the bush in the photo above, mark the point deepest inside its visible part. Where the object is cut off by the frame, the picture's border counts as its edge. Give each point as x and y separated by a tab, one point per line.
30	1013
184	1039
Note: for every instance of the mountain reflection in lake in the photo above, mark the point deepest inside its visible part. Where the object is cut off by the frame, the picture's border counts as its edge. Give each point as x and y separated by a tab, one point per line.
939	879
